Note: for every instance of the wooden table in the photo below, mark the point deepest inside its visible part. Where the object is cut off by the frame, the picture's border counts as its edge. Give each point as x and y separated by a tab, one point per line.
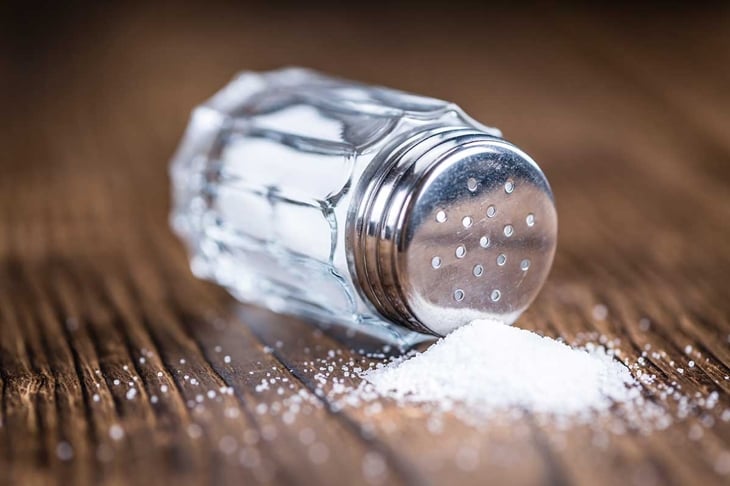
628	114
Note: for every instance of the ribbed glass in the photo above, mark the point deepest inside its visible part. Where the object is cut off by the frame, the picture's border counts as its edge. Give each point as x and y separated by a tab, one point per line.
262	183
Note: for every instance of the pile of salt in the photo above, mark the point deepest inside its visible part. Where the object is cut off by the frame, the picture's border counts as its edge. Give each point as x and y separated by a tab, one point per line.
487	366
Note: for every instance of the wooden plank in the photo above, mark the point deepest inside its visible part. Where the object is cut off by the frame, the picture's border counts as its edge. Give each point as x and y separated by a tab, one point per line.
628	123
403	431
684	69
241	360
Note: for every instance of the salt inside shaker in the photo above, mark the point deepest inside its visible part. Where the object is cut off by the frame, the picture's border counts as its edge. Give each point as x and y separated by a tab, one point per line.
393	213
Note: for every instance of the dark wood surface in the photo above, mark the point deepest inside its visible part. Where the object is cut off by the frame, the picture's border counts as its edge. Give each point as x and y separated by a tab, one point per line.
628	114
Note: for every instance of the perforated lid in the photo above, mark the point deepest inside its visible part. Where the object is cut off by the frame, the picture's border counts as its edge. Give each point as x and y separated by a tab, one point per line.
453	226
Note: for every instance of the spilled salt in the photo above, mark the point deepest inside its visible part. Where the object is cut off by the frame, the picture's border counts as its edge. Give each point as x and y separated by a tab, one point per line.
487	366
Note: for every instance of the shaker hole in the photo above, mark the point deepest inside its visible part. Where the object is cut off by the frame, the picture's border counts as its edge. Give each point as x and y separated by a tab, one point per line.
460	251
491	211
501	259
509	186
441	216
478	270
467	221
525	264
530	220
436	262
458	295
471	184
484	242
496	294
509	230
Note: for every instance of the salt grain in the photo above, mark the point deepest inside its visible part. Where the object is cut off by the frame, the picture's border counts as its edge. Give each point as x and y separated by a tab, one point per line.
64	451
722	464
374	467
194	431
600	312
318	453
268	432
251	437
307	436
116	432
227	444
467	458
249	457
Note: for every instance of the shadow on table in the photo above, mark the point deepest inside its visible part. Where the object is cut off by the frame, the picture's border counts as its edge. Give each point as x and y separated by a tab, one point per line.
290	330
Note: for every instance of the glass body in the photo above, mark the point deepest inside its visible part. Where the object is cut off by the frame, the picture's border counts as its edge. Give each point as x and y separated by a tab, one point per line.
263	185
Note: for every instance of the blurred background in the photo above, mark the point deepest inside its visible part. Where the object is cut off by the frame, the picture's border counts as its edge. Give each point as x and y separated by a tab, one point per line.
624	106
579	88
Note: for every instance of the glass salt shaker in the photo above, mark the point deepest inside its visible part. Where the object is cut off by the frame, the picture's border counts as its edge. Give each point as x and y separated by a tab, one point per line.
392	213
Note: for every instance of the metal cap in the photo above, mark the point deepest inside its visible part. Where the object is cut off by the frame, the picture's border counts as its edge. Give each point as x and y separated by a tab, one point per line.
451	225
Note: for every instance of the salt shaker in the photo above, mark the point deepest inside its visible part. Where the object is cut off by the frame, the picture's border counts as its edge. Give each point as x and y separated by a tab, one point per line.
395	214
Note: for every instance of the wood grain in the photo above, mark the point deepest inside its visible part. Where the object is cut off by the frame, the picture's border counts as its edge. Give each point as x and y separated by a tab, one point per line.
628	118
